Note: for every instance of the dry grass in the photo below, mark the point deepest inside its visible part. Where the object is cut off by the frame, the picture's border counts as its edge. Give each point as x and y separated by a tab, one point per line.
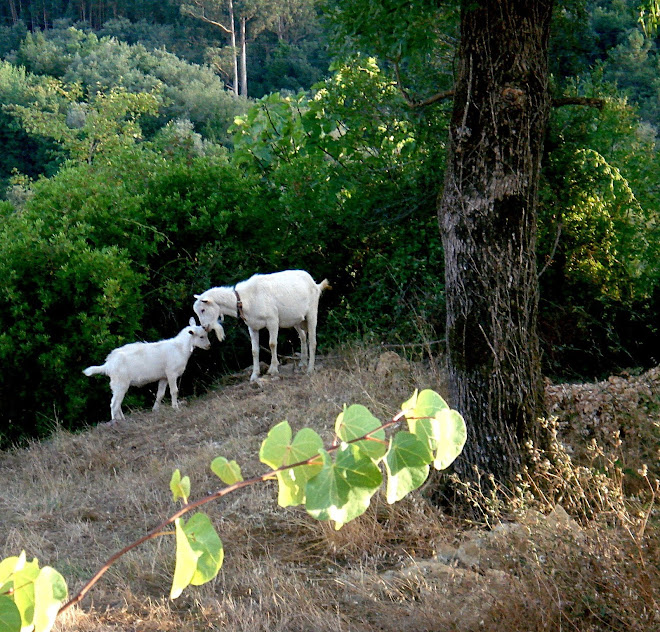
76	499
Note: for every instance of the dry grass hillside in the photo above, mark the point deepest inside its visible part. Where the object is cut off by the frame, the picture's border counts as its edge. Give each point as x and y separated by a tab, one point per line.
575	547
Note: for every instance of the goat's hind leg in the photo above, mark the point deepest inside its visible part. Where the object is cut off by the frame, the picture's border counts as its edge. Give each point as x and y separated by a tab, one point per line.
311	334
118	392
273	329
302	334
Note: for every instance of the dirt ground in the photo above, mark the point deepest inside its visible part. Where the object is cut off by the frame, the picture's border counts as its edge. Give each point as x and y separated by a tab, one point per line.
575	547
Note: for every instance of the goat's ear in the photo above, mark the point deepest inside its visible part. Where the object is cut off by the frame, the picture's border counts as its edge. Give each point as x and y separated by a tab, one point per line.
197	295
192	322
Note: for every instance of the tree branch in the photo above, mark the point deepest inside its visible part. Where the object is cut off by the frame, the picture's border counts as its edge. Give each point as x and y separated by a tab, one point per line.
188	10
189	506
593	102
414	103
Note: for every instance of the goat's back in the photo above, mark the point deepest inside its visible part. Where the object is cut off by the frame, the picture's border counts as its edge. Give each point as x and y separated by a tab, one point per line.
145	362
291	294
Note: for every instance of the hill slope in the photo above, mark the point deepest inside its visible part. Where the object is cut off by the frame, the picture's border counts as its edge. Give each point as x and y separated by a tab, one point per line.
76	499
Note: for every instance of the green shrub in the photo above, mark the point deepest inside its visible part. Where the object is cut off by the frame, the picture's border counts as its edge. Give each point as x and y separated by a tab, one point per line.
99	256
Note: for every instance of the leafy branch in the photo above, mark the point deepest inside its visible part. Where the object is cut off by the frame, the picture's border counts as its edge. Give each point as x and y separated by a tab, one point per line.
334	483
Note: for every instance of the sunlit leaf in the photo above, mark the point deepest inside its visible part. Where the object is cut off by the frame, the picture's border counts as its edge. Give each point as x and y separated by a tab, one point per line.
275	446
452	435
23	594
50	592
186	561
356	421
180	486
421	411
229	472
306	444
206	544
343	489
10	565
407	465
278	450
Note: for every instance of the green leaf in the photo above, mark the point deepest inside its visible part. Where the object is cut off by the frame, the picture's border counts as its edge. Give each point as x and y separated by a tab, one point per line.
356	421
10	617
186	561
278	450
275	446
421	410
23	594
229	472
292	482
424	404
342	490
180	486
9	565
452	435
50	592
204	542
407	465
432	421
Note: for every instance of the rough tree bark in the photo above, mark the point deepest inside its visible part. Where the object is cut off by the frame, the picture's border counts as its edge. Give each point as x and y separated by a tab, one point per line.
488	214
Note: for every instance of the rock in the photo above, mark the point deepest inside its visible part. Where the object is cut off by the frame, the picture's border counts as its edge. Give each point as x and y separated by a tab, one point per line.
391	362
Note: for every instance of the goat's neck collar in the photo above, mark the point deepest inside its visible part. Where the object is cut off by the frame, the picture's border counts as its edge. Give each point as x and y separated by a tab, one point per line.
239	306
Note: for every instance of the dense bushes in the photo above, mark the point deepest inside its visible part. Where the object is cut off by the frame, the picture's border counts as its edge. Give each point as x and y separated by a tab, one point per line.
99	256
355	170
599	242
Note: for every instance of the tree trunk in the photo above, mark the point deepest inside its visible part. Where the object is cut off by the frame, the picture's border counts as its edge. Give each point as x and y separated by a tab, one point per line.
244	86
488	214
233	45
14	12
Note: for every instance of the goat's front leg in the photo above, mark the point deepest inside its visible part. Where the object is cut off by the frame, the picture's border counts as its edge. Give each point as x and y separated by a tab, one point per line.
254	337
174	390
162	385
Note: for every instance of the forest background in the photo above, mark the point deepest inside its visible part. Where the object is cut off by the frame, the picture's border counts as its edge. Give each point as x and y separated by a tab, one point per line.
140	164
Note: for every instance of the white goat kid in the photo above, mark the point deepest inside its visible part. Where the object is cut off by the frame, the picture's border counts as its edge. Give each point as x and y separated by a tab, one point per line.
141	363
278	300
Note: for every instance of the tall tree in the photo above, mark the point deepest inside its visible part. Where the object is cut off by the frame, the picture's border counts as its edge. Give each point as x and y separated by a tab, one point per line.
218	13
225	14
488	219
488	208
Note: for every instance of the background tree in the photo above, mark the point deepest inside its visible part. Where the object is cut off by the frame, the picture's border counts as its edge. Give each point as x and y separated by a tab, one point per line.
221	15
488	218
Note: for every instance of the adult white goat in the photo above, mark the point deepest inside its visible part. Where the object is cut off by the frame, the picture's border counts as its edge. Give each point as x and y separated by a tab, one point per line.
140	363
278	300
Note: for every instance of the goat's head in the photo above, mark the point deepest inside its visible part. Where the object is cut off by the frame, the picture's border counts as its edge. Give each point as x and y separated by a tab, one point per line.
209	315
199	335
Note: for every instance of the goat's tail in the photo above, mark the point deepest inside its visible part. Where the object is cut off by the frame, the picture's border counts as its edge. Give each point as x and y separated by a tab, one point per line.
324	285
94	370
